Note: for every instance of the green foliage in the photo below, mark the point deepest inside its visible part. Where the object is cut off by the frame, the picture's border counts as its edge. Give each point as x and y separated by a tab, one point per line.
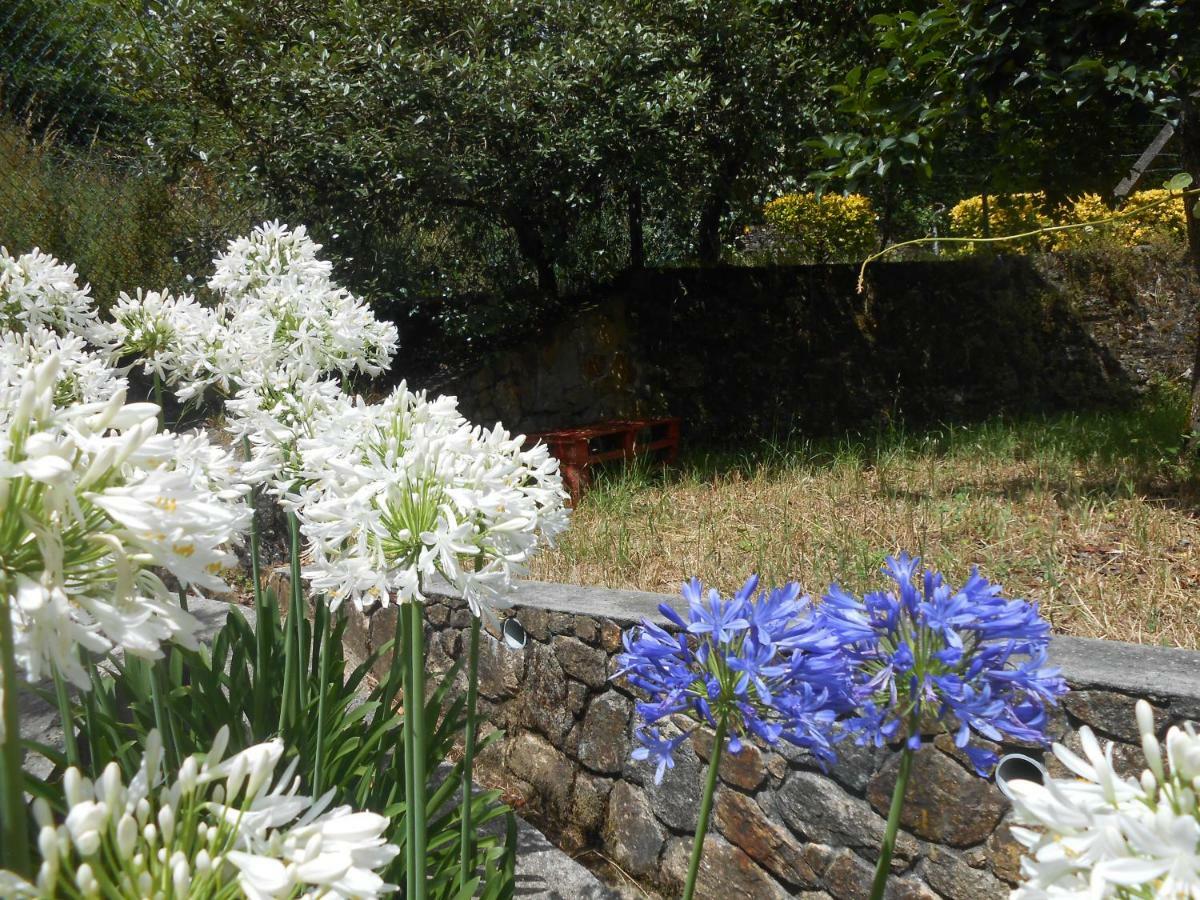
828	228
363	761
122	226
458	122
1021	82
52	57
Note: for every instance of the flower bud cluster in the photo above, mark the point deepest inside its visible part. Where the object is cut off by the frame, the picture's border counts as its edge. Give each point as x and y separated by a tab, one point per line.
220	827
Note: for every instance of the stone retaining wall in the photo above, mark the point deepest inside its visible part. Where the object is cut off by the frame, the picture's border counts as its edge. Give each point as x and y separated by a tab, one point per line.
781	827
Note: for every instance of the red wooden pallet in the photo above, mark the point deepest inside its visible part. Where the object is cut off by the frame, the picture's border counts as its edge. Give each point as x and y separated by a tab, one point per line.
573	447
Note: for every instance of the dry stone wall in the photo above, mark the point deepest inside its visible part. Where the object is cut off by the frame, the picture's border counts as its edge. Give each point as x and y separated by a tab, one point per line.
781	826
743	350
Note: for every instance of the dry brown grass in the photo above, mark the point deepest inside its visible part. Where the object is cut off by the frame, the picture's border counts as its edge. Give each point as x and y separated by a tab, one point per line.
1090	515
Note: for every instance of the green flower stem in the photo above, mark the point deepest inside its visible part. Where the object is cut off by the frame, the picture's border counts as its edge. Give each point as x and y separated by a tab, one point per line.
158	400
402	659
261	692
414	706
706	801
323	689
64	713
467	838
14	839
293	673
879	885
297	612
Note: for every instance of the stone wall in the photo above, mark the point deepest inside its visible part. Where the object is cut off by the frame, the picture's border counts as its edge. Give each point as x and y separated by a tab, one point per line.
781	826
743	350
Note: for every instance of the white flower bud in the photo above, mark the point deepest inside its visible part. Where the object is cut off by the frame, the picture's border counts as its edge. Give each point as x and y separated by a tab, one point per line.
86	881
181	877
42	814
127	833
166	823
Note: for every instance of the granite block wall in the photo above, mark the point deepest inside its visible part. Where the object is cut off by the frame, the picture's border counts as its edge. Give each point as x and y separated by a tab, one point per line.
781	826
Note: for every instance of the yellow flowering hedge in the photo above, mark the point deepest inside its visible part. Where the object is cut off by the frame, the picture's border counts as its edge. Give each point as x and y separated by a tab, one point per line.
833	227
1164	222
1007	214
1016	213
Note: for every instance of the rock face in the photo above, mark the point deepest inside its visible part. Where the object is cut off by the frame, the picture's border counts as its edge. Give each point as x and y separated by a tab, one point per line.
944	803
632	834
780	825
603	739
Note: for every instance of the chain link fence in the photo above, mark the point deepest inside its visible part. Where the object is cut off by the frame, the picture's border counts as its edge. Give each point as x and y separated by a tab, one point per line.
79	173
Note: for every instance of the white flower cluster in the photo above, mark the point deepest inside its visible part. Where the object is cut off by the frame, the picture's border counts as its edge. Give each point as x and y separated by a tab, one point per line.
92	497
274	416
279	312
221	826
406	488
1100	835
37	290
167	332
84	376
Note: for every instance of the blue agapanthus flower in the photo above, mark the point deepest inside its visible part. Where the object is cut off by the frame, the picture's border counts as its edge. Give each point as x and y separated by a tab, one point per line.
764	664
929	657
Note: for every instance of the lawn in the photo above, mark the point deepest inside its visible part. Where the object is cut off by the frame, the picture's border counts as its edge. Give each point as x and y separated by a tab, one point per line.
1092	514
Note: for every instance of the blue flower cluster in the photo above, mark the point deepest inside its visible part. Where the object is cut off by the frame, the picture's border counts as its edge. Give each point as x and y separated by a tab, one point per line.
893	666
968	661
764	665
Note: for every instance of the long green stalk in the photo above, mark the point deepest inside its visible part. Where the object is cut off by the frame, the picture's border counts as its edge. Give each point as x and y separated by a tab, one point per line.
706	801
467	837
297	614
14	838
68	720
293	673
879	885
261	647
323	689
401	653
158	400
414	706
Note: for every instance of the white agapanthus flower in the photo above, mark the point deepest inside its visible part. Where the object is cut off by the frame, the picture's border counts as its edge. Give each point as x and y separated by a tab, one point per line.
37	290
92	500
1101	835
271	253
219	827
160	328
276	413
84	376
408	488
280	312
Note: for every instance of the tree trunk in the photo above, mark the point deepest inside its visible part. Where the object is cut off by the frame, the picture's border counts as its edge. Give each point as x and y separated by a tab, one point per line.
1189	139
708	237
637	237
533	248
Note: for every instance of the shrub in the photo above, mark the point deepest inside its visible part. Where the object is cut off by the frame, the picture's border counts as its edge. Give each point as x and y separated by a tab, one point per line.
829	228
123	227
1164	223
1007	214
